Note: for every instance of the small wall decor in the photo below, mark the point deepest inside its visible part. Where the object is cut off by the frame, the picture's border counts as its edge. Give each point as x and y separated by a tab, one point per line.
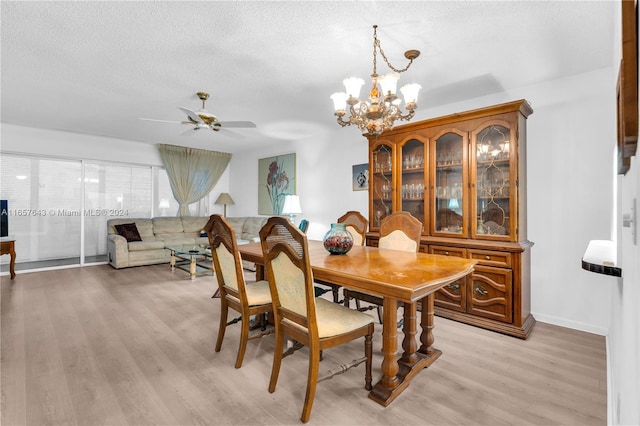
361	177
276	178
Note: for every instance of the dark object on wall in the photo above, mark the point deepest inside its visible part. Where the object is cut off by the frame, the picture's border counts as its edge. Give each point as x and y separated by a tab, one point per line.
4	218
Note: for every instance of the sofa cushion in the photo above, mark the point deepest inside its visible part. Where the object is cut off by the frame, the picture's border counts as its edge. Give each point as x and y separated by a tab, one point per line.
252	227
146	245
129	231
176	238
166	225
144	226
237	223
193	225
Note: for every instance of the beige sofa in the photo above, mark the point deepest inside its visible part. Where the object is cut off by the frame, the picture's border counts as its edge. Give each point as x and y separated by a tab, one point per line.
160	232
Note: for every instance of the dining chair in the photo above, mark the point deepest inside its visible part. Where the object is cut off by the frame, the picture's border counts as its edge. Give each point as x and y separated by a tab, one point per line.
313	322
247	298
398	231
357	225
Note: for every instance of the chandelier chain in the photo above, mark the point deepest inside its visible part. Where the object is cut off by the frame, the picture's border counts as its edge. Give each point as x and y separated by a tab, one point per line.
376	45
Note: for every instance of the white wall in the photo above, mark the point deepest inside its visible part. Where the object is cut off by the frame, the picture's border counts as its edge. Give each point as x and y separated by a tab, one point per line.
323	176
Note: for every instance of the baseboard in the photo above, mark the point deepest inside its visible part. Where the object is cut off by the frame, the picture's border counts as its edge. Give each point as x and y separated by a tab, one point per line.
574	325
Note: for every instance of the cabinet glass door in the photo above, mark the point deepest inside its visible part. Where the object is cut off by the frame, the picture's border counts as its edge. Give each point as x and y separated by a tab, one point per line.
449	183
412	178
382	183
493	182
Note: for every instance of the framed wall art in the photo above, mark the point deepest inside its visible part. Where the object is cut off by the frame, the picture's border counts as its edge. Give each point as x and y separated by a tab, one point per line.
276	178
360	177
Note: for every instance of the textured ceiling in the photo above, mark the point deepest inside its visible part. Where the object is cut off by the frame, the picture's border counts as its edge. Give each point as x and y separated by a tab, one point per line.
97	67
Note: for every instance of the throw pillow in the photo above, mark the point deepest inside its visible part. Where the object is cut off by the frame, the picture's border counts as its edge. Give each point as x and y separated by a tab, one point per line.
129	231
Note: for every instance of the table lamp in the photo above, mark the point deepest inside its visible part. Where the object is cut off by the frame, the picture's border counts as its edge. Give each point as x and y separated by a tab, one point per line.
291	206
225	198
164	205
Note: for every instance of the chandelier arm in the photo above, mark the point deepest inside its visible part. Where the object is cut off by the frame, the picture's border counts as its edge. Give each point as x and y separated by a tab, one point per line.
408	116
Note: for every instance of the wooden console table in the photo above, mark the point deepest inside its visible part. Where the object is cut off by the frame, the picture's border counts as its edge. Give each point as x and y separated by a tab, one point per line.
7	246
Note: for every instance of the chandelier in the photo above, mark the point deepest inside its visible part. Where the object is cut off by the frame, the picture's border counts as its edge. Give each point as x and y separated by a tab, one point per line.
383	108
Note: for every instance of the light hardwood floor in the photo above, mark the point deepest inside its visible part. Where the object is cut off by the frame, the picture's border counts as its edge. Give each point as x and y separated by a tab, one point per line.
95	345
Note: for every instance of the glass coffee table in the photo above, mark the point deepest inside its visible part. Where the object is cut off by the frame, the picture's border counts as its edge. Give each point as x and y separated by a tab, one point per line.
195	259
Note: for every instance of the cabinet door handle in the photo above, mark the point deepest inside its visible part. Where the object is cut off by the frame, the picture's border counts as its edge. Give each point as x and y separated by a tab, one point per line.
454	287
487	257
480	291
446	253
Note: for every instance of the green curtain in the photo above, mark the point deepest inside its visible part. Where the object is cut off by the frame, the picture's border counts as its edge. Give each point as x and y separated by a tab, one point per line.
192	172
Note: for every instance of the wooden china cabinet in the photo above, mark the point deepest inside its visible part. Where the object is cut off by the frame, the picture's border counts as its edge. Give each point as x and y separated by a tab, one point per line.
463	176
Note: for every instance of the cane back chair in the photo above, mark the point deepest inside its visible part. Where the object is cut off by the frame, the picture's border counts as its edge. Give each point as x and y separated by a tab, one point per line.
247	298
313	322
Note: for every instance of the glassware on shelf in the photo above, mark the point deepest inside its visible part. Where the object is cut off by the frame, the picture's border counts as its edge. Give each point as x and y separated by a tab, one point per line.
378	217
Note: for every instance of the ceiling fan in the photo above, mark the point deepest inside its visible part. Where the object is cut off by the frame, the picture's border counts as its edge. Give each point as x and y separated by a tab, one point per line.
203	119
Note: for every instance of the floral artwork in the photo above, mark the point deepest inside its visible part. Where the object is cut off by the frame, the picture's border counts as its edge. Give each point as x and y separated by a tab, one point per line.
276	178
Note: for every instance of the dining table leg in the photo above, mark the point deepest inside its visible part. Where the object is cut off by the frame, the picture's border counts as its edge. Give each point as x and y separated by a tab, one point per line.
382	392
427	324
397	374
409	329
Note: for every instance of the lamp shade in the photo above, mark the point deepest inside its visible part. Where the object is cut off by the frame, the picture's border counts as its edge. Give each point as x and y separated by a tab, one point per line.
291	205
410	93
224	198
164	203
353	86
339	101
388	83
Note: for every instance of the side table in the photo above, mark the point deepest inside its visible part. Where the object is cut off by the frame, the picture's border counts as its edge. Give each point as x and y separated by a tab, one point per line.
7	246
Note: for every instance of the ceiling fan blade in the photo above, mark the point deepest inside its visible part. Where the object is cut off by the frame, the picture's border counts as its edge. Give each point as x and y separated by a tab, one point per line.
231	133
238	124
189	132
161	121
191	114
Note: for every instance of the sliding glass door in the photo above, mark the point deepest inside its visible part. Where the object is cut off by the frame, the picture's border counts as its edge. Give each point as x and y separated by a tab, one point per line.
44	208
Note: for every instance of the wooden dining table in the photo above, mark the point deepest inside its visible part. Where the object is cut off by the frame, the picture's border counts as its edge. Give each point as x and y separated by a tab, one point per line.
396	276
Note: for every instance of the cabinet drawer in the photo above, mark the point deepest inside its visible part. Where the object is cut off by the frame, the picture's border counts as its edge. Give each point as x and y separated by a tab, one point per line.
491	258
448	251
491	293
